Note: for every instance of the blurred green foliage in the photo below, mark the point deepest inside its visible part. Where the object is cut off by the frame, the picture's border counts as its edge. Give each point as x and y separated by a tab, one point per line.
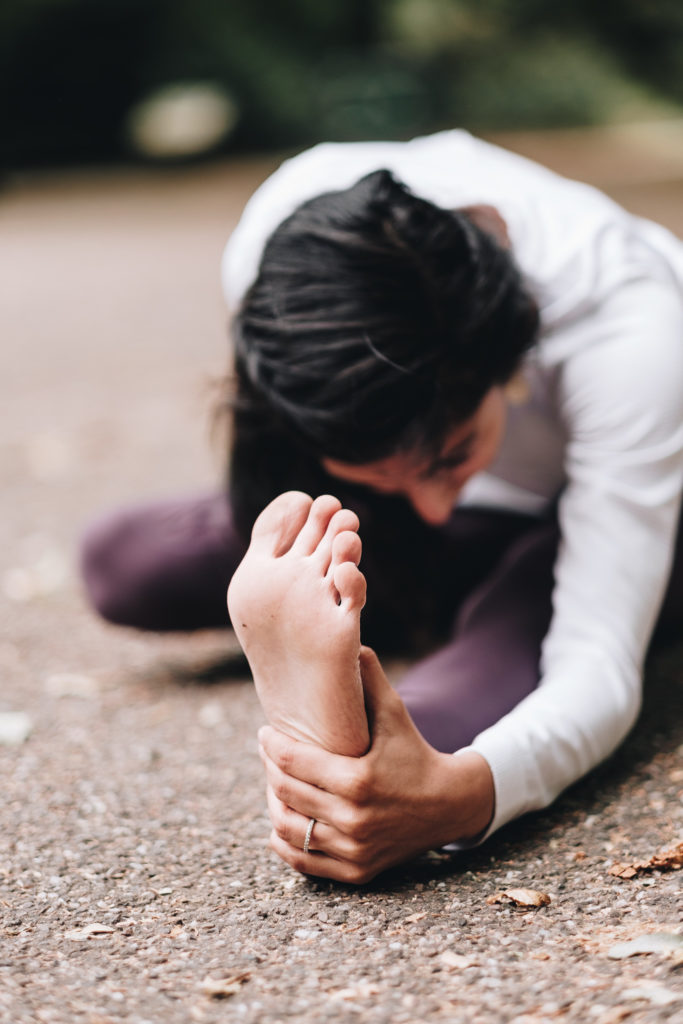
72	70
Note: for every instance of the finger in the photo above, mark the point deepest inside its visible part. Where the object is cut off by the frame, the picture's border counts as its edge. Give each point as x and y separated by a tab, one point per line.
308	762
308	800
292	828
320	866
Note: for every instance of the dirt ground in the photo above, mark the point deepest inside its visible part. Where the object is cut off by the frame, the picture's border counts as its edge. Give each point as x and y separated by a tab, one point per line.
135	883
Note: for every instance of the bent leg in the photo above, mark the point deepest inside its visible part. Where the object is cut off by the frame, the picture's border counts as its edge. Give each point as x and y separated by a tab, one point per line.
164	566
492	661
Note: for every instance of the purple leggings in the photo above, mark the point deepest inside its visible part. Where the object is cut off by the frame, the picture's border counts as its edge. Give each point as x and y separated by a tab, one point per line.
479	588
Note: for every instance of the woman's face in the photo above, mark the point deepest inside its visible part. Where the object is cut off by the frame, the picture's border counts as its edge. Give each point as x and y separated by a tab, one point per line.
433	485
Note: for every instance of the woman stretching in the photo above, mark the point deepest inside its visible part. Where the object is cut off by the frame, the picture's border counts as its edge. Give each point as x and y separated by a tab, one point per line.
483	362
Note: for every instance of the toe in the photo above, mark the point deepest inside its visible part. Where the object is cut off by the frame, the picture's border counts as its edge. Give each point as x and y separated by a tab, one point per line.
280	523
313	530
350	584
342	521
346	547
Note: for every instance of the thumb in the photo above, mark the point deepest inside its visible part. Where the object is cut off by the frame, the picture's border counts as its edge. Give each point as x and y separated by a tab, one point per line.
380	695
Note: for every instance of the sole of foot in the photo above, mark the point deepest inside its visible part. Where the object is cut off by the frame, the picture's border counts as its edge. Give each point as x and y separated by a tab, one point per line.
295	604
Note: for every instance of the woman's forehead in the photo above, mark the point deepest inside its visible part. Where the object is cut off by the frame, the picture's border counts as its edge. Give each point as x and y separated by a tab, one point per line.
401	464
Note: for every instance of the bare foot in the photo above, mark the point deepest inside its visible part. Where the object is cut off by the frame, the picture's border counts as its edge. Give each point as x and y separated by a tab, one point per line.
295	604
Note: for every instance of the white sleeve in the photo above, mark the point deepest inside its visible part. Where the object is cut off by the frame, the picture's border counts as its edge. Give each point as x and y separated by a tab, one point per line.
622	398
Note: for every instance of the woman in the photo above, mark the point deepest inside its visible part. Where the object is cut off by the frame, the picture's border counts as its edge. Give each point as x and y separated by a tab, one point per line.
478	357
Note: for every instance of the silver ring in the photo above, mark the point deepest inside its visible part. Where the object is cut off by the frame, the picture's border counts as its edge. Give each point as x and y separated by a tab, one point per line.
309	833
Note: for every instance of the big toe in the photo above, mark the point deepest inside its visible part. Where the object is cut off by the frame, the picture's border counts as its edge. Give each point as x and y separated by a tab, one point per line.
281	521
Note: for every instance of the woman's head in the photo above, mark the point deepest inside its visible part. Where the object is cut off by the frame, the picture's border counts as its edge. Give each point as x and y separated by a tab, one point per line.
432	483
378	323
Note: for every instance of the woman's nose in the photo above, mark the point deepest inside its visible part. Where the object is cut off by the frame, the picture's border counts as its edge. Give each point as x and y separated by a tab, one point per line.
432	502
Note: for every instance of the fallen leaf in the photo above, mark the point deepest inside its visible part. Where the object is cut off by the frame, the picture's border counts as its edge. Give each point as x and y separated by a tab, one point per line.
363	991
652	942
670	859
88	931
457	962
520	898
221	988
623	870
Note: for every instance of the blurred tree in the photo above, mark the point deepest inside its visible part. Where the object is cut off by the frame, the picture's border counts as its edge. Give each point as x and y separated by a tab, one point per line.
648	34
68	72
73	70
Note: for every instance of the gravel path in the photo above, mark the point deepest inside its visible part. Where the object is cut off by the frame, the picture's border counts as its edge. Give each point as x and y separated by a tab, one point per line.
134	880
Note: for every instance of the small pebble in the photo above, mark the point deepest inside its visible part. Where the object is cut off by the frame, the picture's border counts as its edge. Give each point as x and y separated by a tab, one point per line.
15	727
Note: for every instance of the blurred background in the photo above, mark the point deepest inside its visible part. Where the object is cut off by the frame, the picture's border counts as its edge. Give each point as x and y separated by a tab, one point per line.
89	81
133	132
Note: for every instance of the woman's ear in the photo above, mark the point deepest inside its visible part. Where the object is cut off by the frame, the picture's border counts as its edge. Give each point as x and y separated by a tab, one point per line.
488	219
517	390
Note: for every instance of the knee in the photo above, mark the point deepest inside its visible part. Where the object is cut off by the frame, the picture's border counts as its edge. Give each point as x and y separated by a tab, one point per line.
102	563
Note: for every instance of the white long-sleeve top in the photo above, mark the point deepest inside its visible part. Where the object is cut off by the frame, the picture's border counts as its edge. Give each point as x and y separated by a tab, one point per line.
601	427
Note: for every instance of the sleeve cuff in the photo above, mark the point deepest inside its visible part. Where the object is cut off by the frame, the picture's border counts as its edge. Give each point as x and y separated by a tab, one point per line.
509	782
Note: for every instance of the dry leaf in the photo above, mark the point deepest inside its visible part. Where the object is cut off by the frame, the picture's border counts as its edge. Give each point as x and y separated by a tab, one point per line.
363	991
623	871
651	942
88	931
221	988
667	860
520	898
457	962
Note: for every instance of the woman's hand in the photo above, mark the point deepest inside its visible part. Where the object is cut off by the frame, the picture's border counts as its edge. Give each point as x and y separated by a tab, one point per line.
401	798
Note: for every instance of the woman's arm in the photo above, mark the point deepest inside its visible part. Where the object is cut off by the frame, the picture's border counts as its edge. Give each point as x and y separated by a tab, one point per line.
623	401
402	798
621	393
